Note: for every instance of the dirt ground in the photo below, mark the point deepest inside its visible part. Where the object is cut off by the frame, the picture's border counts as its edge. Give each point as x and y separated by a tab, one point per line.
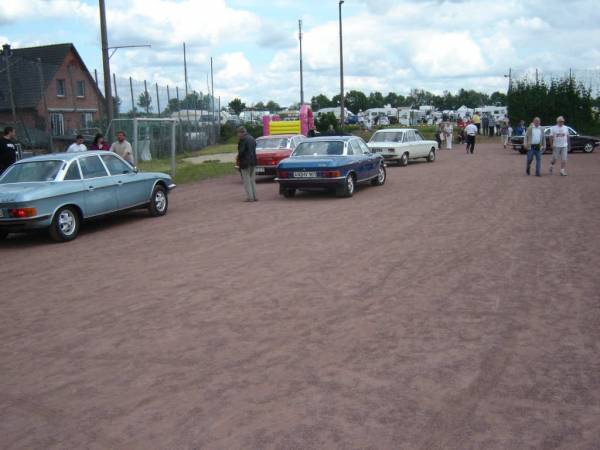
456	307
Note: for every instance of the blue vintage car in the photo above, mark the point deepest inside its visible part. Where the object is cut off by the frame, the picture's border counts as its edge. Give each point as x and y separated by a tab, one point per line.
58	191
336	163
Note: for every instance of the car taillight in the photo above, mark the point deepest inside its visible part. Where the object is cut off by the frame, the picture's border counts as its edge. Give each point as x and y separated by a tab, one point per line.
282	174
20	213
331	174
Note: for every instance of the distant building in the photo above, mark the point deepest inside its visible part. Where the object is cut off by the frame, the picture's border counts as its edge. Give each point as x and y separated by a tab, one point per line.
53	90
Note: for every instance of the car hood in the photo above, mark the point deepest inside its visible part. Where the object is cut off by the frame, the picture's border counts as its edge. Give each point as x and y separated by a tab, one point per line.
17	192
300	162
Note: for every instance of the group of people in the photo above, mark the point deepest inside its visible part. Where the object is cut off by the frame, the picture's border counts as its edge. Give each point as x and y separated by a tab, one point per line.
121	146
535	143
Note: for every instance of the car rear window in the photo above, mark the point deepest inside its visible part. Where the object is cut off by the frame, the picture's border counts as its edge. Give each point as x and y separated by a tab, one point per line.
387	136
271	144
34	171
319	148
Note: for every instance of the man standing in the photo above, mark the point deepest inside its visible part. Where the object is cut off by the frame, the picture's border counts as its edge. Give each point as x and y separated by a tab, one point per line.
78	145
535	143
8	150
247	163
492	125
122	148
559	139
485	123
471	132
477	121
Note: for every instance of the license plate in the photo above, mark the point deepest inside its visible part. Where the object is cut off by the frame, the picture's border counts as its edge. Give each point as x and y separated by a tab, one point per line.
260	170
305	174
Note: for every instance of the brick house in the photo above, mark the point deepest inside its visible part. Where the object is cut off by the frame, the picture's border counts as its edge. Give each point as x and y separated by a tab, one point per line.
54	92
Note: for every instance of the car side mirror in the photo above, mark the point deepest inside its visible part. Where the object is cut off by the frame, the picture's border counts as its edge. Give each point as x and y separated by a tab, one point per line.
135	169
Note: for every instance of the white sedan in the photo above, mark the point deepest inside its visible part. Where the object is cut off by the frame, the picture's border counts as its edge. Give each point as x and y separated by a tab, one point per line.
402	144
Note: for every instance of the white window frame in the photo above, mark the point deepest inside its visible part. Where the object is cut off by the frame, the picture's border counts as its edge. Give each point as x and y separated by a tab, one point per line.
60	81
86	119
58	126
80	83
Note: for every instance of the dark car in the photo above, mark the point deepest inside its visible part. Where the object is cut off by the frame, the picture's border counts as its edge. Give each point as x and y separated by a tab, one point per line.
579	142
336	163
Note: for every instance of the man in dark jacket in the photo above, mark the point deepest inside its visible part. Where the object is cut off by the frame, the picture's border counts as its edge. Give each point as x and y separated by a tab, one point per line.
8	150
247	163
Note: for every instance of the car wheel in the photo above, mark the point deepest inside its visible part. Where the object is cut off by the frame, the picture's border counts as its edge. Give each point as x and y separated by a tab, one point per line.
349	186
522	150
431	156
65	225
289	192
159	202
3	235
381	176
589	147
403	161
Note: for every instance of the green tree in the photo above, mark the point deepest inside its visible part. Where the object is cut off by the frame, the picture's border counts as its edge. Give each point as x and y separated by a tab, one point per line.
356	101
145	101
324	121
498	98
260	106
237	105
272	106
320	101
376	100
173	106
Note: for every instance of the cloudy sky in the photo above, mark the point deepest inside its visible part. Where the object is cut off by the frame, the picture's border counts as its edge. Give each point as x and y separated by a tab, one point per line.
389	45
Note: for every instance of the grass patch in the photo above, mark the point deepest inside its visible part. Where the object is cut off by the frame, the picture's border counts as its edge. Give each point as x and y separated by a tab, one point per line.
187	172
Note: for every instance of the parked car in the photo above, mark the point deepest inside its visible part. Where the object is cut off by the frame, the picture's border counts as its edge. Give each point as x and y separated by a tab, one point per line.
270	150
401	145
579	142
59	191
336	163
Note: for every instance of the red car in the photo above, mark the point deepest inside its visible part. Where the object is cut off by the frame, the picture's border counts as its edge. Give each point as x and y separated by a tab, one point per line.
272	149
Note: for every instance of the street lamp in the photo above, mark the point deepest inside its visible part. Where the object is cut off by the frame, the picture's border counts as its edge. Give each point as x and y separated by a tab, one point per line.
341	2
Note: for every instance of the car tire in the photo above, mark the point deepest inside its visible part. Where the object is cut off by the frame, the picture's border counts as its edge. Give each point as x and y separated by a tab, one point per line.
403	161
522	150
379	180
588	148
431	156
3	235
65	224
159	202
349	187
289	192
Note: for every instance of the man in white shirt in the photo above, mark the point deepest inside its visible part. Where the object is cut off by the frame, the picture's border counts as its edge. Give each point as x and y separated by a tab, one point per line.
78	145
559	139
123	148
535	143
471	132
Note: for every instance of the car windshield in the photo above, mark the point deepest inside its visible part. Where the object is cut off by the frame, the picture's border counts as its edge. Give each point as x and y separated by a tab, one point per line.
387	136
271	144
33	171
320	148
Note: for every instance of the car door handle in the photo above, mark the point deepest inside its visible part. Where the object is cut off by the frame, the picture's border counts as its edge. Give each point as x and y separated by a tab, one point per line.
120	183
91	188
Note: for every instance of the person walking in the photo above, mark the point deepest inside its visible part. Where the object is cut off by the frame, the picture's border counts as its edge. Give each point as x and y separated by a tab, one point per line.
485	123
448	134
123	148
8	149
99	143
535	143
560	142
471	133
78	145
505	133
438	134
247	163
492	125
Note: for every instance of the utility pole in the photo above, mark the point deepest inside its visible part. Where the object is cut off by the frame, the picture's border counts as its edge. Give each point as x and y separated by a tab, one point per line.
105	63
212	88
341	2
6	52
301	69
185	70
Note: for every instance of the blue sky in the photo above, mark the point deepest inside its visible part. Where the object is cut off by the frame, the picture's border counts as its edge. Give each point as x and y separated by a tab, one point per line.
390	45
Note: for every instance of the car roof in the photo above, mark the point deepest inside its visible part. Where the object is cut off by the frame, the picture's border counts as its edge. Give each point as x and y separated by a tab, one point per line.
63	156
397	130
271	136
332	138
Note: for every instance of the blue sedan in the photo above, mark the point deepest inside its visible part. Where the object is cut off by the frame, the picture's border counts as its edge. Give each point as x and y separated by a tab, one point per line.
336	163
58	191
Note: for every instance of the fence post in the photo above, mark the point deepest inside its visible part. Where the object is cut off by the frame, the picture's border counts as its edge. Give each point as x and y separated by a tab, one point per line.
173	149
146	95
135	140
157	101
132	100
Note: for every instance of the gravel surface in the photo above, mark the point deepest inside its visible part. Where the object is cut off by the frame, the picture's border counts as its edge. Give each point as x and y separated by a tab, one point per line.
456	307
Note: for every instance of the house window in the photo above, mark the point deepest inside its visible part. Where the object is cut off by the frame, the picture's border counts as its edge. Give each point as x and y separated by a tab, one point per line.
80	88
86	120
57	122
60	88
